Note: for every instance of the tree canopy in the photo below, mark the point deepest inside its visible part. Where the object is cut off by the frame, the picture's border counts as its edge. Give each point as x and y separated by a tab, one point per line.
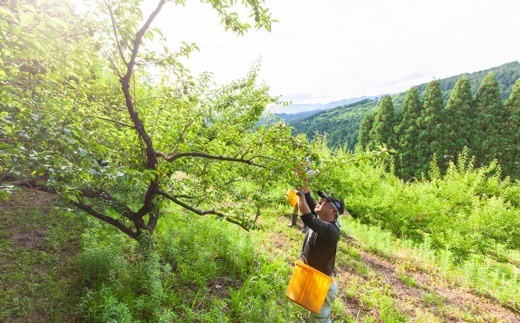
82	119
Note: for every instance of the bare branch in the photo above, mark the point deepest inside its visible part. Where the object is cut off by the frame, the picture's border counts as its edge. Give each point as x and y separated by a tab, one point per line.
186	206
188	124
265	157
199	212
246	151
32	184
181	196
240	224
208	156
123	228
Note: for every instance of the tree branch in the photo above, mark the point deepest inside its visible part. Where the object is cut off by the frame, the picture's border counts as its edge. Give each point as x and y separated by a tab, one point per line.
186	206
31	183
118	72
181	136
125	85
118	43
199	212
151	158
123	228
208	156
152	222
148	199
120	207
140	34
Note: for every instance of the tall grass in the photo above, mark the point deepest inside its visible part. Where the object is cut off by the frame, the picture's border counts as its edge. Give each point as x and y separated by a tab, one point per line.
201	269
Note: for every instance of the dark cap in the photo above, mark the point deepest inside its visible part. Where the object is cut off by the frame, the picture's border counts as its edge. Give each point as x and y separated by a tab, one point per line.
337	204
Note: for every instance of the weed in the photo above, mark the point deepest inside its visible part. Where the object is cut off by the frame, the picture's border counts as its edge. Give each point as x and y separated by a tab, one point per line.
433	299
407	280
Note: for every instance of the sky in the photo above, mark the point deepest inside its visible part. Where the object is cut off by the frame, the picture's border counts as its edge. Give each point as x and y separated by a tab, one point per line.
328	50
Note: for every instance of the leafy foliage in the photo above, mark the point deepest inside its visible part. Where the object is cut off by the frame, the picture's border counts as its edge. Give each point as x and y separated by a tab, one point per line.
382	131
470	210
489	122
200	270
459	117
97	132
430	127
407	133
94	130
511	154
506	75
364	132
438	132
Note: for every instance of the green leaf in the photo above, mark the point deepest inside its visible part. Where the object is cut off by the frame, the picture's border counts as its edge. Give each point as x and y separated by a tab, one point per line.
26	19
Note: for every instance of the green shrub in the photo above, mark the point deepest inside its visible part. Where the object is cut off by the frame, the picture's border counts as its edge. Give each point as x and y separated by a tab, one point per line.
262	297
103	306
200	269
469	210
100	265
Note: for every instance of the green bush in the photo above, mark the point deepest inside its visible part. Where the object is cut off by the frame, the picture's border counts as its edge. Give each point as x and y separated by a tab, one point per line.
469	210
261	298
102	306
100	266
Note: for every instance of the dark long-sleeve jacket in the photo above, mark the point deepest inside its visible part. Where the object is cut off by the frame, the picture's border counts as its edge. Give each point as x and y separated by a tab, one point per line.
319	246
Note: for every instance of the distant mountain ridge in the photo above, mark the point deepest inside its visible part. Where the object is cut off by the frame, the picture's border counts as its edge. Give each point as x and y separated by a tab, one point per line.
314	107
342	123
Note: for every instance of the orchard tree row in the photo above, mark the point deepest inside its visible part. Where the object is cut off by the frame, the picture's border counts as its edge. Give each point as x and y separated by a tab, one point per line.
427	129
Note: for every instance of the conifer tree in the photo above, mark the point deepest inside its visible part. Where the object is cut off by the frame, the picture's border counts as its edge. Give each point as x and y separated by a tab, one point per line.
511	157
382	131
429	125
407	134
459	114
489	122
364	131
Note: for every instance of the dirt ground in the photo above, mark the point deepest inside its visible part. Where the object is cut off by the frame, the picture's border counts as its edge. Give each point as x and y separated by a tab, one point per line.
38	266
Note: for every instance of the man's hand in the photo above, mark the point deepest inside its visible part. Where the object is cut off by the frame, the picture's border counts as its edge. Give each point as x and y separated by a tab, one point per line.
302	202
304	190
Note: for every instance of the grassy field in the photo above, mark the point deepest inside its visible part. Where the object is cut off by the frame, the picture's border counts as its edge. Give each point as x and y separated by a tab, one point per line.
60	267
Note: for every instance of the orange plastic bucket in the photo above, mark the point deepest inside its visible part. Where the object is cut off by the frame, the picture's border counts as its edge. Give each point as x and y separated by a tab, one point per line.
308	287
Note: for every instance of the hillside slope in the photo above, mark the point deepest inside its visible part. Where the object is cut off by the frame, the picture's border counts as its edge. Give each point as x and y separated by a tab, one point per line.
380	278
342	123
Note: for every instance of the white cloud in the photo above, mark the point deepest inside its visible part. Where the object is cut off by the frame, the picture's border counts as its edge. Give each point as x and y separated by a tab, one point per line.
322	51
